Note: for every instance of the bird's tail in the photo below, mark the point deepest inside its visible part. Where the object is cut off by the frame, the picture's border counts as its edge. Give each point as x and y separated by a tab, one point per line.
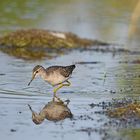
72	67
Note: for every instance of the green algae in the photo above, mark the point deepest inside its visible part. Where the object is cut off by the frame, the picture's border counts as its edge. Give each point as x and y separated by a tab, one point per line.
38	43
130	110
123	108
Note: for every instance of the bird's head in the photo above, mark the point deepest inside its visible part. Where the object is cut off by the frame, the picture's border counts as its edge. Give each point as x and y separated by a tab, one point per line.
35	72
36	118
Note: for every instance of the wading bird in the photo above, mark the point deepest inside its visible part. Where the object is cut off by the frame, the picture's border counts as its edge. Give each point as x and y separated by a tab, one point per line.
57	76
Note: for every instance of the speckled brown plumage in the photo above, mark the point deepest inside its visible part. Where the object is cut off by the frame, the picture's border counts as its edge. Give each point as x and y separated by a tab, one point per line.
66	71
54	75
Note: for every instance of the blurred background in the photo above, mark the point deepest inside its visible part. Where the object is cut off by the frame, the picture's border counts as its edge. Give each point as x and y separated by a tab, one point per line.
110	21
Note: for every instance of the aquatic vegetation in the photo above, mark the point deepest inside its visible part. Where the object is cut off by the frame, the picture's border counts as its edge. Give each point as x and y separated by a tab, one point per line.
38	43
132	109
125	110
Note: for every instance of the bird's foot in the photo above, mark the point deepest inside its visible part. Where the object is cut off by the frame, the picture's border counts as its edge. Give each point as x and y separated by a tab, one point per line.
67	101
56	99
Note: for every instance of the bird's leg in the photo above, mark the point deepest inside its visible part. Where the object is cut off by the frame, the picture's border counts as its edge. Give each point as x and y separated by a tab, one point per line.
56	89
67	84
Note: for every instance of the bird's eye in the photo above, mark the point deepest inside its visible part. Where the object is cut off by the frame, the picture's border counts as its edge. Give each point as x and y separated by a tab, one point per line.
36	71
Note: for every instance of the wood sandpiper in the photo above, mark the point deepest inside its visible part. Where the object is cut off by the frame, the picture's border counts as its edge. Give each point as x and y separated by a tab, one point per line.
54	75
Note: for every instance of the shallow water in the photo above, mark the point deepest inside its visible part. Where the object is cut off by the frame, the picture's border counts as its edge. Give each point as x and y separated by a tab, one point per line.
108	21
87	87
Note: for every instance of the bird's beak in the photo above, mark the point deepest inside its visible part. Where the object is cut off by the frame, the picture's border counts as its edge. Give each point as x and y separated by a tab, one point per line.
30	108
33	76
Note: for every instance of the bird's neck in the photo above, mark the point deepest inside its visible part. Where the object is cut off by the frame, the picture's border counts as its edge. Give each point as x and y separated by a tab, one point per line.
37	118
43	74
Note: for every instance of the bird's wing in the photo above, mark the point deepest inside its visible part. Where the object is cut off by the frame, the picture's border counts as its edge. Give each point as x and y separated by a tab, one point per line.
67	70
52	69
